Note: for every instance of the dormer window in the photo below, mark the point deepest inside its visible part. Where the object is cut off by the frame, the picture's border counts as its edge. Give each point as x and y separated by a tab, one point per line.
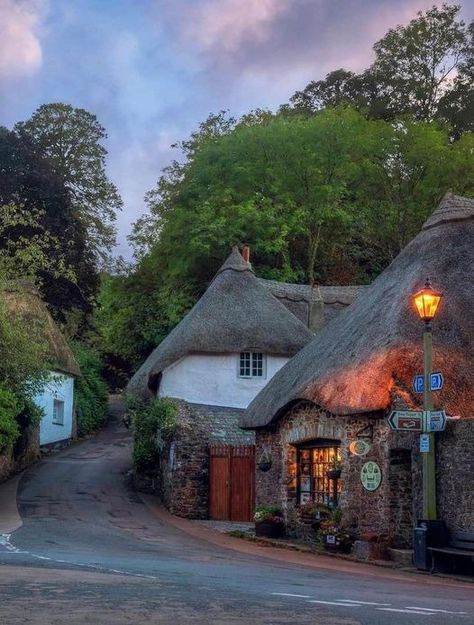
252	365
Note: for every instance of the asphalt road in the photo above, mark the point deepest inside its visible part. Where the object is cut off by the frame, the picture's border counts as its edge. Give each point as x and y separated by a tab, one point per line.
91	552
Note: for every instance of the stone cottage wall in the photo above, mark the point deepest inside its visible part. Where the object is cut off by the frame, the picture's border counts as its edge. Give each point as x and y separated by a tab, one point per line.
181	478
455	474
386	511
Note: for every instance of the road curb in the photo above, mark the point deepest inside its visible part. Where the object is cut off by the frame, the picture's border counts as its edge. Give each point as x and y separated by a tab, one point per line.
293	557
10	519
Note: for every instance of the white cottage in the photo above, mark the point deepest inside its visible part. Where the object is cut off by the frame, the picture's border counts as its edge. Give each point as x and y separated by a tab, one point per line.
236	337
217	359
57	397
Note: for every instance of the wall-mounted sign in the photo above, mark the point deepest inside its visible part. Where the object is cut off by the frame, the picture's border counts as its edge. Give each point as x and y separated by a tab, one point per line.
371	476
360	447
424	443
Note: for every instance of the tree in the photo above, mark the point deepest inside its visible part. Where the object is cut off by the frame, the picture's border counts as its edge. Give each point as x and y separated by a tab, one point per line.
415	63
424	69
36	196
71	139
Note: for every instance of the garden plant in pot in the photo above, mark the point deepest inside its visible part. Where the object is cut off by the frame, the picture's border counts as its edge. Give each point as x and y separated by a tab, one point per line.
269	521
333	535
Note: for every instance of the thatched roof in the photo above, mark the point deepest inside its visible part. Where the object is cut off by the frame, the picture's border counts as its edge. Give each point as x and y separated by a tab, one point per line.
374	347
27	303
236	313
298	298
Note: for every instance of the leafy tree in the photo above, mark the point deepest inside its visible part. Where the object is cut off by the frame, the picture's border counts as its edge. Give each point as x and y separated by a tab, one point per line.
415	63
71	139
424	69
67	271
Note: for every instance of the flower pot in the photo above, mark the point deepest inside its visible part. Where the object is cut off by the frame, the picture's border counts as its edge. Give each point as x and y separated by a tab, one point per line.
269	530
264	466
334	474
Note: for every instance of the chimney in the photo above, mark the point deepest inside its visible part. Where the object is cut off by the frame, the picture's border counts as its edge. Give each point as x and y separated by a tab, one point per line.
246	253
316	310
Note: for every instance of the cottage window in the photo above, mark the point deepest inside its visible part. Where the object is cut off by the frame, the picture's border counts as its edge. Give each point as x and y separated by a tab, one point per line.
251	365
313	464
58	412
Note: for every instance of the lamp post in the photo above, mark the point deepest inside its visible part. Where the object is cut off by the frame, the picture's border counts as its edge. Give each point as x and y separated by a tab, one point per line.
426	302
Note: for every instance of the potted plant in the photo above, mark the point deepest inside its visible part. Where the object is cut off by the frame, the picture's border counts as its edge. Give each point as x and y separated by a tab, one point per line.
269	521
311	513
265	462
335	538
335	469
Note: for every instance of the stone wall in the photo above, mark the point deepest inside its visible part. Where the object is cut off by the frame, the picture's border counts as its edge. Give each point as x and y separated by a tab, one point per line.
25	452
455	474
181	478
391	510
364	511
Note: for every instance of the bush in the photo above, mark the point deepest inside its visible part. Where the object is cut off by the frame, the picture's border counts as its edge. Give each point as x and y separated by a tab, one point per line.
153	421
91	390
268	513
9	428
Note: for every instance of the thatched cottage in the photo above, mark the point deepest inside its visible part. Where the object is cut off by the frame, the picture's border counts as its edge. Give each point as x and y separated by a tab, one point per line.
58	424
240	333
341	387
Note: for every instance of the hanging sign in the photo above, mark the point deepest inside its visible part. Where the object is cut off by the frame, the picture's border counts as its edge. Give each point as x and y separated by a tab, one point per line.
360	447
371	476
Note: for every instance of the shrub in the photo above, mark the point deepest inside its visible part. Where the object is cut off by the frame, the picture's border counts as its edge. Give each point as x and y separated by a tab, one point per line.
9	428
91	390
153	421
268	513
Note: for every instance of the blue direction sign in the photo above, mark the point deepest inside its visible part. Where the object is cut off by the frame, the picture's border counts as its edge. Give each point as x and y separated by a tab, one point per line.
437	382
434	420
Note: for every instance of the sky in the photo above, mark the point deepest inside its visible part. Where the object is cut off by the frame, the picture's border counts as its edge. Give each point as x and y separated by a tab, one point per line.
151	70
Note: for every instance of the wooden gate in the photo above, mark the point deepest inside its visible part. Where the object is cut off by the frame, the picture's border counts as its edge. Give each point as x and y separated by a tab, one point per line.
231	482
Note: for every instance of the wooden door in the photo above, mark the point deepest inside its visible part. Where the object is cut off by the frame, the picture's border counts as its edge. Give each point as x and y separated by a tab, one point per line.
231	482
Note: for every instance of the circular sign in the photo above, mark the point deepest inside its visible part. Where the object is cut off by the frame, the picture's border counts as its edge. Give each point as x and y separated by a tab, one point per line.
360	447
371	476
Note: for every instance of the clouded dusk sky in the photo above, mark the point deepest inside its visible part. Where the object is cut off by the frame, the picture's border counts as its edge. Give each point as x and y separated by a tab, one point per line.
151	70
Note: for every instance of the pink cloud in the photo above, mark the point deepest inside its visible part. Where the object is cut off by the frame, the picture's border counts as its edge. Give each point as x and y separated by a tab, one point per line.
20	46
228	24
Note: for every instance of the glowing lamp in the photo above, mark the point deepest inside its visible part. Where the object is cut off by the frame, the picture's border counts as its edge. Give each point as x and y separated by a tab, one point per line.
427	301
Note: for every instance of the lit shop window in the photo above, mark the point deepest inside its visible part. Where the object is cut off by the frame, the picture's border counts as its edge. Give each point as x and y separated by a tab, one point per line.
318	474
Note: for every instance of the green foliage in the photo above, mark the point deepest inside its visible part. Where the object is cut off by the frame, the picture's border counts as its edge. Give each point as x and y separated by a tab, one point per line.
41	234
153	422
71	139
9	429
423	69
90	390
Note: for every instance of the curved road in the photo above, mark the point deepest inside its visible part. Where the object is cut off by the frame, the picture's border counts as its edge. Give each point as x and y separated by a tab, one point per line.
91	552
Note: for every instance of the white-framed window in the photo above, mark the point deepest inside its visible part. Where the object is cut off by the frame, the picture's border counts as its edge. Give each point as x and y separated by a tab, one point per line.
252	365
58	412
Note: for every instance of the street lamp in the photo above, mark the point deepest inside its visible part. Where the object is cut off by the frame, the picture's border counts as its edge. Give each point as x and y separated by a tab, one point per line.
427	302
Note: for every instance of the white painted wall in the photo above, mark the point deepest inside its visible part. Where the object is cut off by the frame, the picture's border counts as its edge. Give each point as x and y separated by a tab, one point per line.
213	379
60	387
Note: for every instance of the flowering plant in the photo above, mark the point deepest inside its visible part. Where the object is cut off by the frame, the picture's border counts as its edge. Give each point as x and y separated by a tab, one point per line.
268	514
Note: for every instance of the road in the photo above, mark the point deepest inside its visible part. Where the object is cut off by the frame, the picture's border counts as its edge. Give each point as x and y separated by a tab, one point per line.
91	552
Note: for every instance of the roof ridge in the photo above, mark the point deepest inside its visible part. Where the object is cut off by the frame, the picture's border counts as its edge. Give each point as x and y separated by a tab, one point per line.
451	208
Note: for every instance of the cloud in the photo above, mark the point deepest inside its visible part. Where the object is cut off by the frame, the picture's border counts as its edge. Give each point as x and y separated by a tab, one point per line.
20	46
229	24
